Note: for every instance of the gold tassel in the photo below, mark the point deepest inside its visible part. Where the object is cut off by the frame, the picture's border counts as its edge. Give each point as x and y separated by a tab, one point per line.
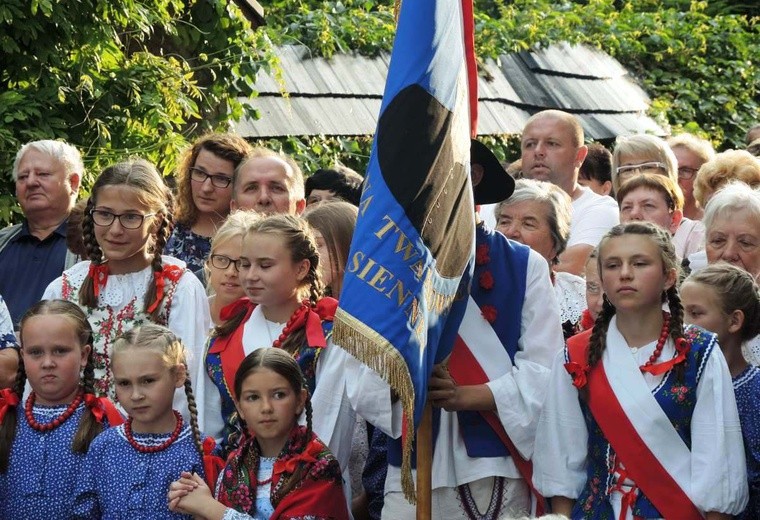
396	9
376	352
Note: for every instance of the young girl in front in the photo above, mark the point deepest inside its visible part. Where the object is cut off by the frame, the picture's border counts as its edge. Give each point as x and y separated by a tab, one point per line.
281	469
128	469
43	441
640	419
725	299
126	282
280	272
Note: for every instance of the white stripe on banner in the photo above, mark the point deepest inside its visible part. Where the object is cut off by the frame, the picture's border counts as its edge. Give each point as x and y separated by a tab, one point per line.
490	353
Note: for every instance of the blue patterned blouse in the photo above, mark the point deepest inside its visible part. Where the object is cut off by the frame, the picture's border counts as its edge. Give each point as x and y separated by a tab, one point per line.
191	248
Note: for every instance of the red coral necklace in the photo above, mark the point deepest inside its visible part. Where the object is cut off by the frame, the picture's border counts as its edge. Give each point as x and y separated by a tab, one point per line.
153	449
55	423
660	344
304	307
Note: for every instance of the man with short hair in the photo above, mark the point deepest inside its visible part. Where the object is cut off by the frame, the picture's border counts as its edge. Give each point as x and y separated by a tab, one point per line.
553	150
33	253
268	182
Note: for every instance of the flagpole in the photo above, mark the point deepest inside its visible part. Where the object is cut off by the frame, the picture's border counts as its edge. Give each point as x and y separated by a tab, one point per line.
425	464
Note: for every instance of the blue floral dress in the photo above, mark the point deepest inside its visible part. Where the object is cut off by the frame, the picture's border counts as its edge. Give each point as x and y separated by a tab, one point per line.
191	248
747	391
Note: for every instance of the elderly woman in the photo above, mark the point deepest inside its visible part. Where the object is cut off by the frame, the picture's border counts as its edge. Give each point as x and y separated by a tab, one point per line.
204	190
732	219
730	165
640	153
538	215
691	152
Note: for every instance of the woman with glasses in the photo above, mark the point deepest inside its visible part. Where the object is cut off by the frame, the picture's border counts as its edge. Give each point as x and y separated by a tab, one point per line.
204	190
691	152
223	265
637	154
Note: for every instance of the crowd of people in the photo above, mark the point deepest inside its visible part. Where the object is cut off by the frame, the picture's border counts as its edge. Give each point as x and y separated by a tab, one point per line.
168	353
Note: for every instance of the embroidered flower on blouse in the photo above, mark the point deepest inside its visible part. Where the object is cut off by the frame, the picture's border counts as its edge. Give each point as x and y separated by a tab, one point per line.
680	392
486	280
481	255
489	313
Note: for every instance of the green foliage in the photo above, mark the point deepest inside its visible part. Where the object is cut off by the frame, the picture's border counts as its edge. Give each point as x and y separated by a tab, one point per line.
697	59
314	152
121	77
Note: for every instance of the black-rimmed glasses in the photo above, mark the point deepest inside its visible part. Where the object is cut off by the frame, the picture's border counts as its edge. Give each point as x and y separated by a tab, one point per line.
220	181
104	218
223	262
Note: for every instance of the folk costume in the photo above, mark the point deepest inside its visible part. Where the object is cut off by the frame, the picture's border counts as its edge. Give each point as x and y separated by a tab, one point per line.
642	444
747	391
184	310
508	337
118	481
340	386
304	481
43	470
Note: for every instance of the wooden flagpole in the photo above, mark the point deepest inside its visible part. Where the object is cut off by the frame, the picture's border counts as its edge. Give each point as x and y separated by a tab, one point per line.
425	464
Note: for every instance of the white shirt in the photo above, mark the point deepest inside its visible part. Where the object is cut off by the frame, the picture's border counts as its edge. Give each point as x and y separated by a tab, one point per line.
689	237
593	216
718	469
519	394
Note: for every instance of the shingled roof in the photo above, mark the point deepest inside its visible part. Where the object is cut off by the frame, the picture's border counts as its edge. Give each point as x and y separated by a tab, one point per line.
342	95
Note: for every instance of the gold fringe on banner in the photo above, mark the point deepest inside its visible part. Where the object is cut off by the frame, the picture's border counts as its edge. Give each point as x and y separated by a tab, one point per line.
396	9
375	351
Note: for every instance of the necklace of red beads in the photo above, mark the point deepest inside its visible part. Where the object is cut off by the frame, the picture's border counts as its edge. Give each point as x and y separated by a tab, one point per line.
153	449
295	317
55	423
646	367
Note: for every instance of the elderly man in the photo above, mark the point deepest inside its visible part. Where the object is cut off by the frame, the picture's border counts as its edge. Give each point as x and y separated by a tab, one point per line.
268	182
34	253
553	150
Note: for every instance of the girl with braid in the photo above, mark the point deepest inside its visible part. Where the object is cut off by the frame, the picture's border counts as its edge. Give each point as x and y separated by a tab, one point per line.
126	281
128	470
43	440
285	308
281	470
640	419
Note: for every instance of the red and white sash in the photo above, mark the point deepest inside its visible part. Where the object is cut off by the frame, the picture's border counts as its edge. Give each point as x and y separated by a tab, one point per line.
637	428
488	362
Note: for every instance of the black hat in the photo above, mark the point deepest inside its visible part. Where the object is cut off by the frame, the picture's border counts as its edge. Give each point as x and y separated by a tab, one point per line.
496	185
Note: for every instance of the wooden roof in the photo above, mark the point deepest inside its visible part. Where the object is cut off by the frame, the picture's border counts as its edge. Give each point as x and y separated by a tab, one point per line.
342	95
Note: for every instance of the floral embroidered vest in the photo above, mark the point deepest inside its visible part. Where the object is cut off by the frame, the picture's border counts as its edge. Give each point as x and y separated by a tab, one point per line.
677	399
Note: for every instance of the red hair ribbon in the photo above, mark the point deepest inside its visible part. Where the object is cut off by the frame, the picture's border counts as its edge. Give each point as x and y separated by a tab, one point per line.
173	273
102	407
579	373
99	275
683	346
308	456
8	399
95	406
212	464
324	310
587	321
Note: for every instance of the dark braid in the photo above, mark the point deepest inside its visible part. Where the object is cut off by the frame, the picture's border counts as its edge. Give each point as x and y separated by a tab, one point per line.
89	427
229	326
676	325
197	440
8	426
94	254
309	413
598	340
162	235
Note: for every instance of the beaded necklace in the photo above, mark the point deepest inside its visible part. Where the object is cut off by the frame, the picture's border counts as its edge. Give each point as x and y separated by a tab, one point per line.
55	423
153	449
303	308
647	367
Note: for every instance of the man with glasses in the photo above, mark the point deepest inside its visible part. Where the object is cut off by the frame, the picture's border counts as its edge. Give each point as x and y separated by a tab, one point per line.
553	150
34	253
268	182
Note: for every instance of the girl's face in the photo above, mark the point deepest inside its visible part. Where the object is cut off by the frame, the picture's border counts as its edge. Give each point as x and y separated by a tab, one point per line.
127	250
735	238
633	276
270	277
145	388
701	305
53	357
226	282
594	293
325	261
270	408
207	197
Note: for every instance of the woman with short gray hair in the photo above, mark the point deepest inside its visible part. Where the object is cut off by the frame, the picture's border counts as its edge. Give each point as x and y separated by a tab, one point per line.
538	215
